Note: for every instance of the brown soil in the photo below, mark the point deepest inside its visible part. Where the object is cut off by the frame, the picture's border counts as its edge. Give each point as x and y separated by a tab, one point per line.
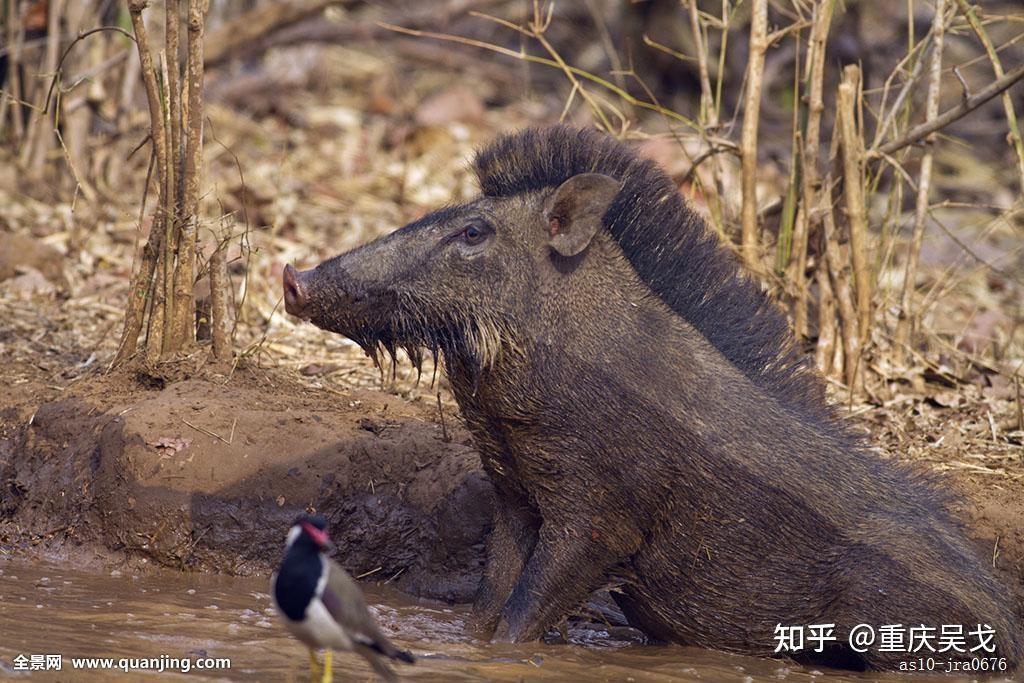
996	517
207	474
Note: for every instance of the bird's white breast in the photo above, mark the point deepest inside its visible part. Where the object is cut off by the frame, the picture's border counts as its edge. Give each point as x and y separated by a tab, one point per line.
318	629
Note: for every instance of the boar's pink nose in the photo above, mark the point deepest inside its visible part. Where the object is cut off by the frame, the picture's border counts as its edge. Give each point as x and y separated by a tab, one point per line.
296	298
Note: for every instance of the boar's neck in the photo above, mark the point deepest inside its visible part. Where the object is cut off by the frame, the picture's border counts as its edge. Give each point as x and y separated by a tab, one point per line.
604	372
592	319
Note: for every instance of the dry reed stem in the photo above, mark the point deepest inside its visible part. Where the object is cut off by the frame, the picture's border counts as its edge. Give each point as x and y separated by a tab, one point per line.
750	237
853	190
808	160
904	322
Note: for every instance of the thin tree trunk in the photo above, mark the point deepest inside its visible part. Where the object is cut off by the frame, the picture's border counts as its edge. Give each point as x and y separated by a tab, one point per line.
172	203
184	313
141	287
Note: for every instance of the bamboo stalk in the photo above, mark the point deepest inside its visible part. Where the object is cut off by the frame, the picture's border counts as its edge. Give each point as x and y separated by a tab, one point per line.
750	237
184	299
904	322
810	178
853	186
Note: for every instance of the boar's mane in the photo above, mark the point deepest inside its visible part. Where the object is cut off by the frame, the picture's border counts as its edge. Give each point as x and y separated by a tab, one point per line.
671	250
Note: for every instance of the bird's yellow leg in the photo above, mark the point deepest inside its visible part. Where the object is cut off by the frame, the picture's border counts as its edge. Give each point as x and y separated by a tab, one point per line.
328	676
313	665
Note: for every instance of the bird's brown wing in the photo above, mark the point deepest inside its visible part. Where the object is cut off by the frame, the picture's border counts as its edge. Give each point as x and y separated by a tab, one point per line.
344	601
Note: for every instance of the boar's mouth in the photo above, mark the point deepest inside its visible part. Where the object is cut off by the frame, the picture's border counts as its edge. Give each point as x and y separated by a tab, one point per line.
381	322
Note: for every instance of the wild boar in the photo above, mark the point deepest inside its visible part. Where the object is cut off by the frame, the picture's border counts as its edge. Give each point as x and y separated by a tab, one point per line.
646	418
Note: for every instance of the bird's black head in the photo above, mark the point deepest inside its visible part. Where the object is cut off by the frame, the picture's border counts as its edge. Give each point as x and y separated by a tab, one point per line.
309	531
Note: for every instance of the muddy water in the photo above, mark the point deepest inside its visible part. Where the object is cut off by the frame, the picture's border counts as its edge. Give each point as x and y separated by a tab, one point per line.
50	608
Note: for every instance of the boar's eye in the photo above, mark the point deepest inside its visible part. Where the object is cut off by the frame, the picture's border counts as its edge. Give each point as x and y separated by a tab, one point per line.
474	233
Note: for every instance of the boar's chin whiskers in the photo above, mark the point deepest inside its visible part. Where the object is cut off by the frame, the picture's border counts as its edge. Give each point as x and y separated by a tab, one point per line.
461	338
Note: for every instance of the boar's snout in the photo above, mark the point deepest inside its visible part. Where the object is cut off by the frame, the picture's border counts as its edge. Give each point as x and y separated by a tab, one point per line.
296	292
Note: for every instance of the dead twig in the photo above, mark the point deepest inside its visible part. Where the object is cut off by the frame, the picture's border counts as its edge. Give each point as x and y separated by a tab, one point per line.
206	431
940	121
1014	133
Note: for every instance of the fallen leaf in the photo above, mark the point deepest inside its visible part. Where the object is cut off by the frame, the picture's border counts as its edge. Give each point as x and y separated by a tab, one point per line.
169	445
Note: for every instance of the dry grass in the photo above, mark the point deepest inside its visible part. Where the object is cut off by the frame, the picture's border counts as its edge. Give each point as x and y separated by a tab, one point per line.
326	147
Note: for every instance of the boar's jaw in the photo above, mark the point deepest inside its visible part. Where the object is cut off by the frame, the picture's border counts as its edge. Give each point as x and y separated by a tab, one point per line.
381	322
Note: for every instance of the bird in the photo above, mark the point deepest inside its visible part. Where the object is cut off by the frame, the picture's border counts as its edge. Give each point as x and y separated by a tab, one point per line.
323	607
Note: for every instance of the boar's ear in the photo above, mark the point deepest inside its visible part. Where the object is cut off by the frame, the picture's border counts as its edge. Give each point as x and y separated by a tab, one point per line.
575	210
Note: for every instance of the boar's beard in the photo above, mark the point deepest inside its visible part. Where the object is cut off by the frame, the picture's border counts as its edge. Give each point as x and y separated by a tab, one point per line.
467	340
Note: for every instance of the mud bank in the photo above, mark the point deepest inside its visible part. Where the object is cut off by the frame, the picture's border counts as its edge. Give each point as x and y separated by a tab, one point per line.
206	474
203	475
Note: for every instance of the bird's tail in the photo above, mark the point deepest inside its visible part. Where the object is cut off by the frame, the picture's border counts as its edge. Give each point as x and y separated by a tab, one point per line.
380	667
387	648
403	656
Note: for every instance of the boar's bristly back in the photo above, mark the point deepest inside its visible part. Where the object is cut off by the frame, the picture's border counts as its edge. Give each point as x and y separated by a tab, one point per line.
671	250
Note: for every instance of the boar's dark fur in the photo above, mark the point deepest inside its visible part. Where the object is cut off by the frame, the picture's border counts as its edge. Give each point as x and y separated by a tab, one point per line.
671	251
646	420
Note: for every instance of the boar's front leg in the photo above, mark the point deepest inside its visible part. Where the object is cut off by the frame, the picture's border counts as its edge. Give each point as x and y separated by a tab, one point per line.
566	566
511	541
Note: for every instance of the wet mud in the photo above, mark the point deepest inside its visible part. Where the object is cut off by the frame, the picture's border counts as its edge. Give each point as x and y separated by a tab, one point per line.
203	475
